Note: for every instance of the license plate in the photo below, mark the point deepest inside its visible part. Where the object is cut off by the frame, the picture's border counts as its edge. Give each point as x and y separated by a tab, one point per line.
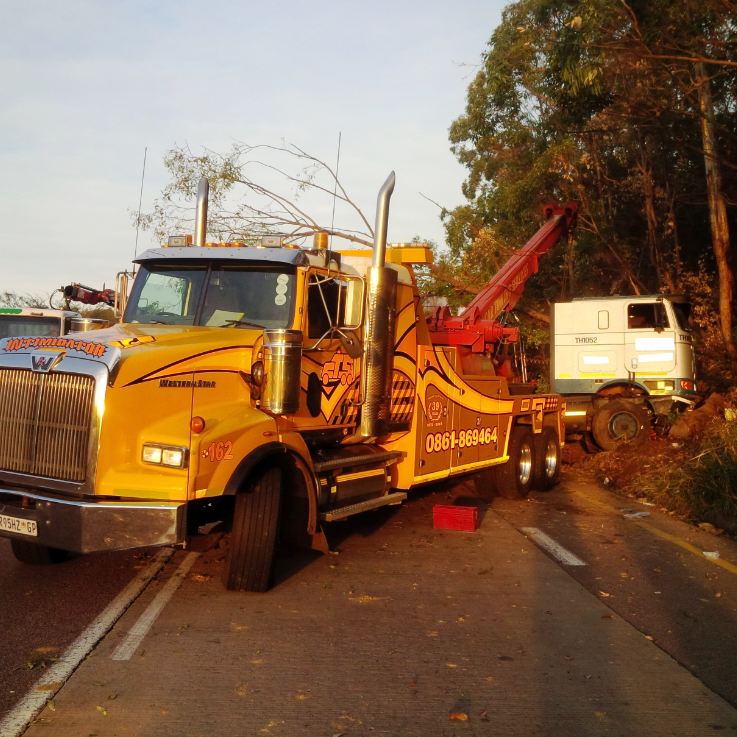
18	525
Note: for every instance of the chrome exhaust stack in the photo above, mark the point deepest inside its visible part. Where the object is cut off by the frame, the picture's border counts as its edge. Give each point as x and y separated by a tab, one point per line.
200	224
378	355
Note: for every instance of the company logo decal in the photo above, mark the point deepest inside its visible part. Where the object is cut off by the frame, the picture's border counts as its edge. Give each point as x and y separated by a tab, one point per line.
186	384
44	362
337	381
337	372
96	350
435	409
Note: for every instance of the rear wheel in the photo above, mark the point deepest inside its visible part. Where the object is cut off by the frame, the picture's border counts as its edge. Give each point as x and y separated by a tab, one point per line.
253	539
619	420
546	471
514	478
39	555
589	444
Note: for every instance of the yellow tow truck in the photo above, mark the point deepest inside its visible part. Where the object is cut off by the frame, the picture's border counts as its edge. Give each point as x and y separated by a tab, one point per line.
277	387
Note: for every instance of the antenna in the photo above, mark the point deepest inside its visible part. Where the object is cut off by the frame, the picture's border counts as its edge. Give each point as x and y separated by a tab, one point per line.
140	199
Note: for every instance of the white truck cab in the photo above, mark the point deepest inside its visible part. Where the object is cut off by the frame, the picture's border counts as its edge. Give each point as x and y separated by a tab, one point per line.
621	362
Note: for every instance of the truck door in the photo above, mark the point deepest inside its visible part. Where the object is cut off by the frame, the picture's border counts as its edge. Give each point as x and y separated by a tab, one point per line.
649	343
331	354
433	456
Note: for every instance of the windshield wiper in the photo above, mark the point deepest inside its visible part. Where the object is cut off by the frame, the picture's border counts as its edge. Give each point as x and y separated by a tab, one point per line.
231	323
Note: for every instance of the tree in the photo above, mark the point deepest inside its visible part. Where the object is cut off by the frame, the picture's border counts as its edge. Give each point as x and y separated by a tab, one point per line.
248	195
15	299
717	211
598	101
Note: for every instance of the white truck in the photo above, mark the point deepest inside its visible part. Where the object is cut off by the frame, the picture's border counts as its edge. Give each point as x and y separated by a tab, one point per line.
622	363
35	321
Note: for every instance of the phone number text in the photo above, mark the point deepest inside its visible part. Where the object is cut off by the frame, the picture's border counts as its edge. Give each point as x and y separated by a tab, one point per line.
439	441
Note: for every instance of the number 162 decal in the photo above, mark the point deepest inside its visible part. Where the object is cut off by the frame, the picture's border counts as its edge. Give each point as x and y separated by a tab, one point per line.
220	451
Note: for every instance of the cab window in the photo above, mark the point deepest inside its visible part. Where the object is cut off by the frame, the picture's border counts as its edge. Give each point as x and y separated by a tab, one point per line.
647	315
332	302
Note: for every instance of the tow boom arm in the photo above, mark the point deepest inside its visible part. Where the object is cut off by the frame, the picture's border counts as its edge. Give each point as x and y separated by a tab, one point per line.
476	326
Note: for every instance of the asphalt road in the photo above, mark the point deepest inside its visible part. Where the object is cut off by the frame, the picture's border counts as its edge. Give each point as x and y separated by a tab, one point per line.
44	608
406	629
676	583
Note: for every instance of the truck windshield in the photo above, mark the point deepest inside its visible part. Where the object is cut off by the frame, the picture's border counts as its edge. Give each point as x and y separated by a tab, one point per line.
11	325
216	296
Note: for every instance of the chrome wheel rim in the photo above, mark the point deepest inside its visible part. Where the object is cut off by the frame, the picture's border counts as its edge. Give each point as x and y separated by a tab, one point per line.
551	458
525	464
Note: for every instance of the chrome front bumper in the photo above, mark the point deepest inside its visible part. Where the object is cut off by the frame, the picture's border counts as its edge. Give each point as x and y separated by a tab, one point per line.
83	526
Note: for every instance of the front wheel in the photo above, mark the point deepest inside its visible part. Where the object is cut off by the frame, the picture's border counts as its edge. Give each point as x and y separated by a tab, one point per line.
253	539
38	555
514	478
546	468
618	420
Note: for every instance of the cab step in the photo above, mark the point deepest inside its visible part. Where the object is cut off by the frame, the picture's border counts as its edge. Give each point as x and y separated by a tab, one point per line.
332	515
348	457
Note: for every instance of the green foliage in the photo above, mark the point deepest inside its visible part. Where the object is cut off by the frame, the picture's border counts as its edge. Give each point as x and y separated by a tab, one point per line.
702	484
595	101
536	340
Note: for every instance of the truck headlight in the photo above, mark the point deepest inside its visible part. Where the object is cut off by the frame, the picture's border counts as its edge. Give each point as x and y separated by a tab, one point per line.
164	455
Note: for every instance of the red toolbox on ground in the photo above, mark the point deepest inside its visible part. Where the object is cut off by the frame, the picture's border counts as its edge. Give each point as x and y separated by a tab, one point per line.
455	517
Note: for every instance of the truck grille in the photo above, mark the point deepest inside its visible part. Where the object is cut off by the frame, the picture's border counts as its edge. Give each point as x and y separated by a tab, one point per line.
45	422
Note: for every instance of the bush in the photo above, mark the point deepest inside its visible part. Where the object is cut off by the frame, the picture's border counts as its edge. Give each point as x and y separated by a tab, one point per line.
707	481
697	480
713	367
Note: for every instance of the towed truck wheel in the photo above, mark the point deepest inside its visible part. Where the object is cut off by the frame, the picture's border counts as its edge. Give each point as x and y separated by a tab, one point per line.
40	555
514	478
617	421
253	538
547	460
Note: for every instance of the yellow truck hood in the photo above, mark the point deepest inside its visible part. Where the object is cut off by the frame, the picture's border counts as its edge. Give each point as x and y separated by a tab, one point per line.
134	353
153	352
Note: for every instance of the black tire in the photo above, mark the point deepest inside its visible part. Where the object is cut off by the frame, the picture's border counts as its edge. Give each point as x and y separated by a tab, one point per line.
253	538
588	444
618	421
547	460
37	555
514	478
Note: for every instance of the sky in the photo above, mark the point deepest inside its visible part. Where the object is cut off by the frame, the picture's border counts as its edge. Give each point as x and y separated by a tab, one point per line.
88	87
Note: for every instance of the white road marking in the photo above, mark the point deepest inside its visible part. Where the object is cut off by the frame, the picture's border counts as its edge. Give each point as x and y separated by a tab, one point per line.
139	630
566	557
17	719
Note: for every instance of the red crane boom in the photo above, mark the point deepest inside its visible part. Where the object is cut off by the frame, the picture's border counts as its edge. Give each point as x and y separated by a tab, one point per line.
477	327
477	323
